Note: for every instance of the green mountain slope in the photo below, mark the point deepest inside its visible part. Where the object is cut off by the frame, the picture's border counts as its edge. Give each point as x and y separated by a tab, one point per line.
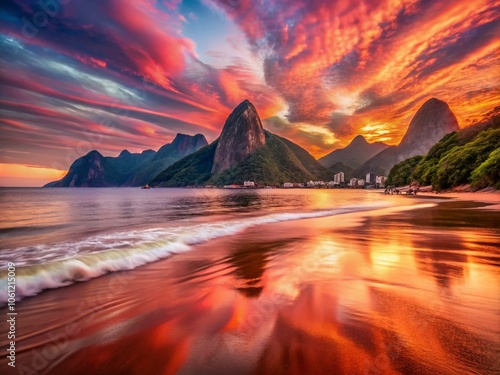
470	155
193	170
431	122
167	155
278	161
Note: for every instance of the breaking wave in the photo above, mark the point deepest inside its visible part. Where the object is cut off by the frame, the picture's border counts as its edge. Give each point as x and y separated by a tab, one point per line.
129	250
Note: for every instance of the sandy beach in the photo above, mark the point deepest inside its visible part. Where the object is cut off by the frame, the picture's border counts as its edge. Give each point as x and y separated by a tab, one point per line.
408	290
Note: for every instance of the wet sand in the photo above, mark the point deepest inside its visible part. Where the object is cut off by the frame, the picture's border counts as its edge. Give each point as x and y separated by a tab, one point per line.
381	292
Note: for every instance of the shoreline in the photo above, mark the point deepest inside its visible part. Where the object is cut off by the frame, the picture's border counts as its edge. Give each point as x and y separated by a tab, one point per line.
349	219
210	307
492	198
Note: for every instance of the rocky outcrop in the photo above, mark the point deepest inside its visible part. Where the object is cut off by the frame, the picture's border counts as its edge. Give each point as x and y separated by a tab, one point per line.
91	170
128	169
433	121
241	136
182	145
243	152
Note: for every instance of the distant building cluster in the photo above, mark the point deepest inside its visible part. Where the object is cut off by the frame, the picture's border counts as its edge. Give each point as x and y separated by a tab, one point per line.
313	184
371	181
289	185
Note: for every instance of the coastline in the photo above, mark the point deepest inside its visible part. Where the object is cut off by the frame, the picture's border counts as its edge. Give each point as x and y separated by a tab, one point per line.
491	197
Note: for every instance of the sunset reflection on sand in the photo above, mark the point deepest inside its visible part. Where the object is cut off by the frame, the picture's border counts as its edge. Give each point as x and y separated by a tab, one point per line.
388	292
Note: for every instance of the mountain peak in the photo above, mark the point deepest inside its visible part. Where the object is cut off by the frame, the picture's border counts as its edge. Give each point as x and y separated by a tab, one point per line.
433	101
179	137
93	154
182	145
358	140
241	135
354	154
431	122
244	106
124	153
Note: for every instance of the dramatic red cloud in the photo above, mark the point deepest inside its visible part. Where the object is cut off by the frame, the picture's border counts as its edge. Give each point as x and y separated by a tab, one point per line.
124	74
375	61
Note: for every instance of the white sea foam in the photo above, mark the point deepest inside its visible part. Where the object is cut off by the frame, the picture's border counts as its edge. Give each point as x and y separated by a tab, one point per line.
136	248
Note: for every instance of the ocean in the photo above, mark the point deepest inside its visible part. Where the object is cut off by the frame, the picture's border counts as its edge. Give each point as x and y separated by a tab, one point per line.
58	236
223	281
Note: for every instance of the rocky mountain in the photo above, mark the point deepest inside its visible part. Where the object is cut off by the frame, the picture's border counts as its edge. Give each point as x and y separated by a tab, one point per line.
433	120
244	151
127	169
354	154
241	136
182	145
468	156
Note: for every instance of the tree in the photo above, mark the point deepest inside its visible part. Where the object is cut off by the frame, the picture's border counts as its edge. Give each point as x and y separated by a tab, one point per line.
400	174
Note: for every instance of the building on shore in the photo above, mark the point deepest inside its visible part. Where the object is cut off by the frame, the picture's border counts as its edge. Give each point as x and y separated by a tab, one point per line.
380	181
353	182
289	185
361	182
338	178
371	178
249	184
314	184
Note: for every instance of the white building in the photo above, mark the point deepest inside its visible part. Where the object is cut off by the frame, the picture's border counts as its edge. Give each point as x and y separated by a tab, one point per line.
353	182
311	184
361	182
380	181
249	184
288	185
370	178
338	178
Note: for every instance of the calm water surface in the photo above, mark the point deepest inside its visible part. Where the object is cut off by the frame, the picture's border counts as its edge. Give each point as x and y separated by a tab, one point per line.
262	282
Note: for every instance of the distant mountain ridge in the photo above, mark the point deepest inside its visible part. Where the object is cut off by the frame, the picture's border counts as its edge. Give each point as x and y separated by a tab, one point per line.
354	154
431	122
182	145
127	169
244	151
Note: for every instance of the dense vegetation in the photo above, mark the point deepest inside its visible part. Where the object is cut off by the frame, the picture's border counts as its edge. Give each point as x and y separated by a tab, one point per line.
401	173
469	156
278	161
193	170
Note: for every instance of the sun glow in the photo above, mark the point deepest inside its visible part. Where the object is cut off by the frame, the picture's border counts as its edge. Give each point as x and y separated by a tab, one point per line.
328	136
27	175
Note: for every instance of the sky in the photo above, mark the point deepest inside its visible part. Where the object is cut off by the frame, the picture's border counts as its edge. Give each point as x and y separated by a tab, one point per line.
77	75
